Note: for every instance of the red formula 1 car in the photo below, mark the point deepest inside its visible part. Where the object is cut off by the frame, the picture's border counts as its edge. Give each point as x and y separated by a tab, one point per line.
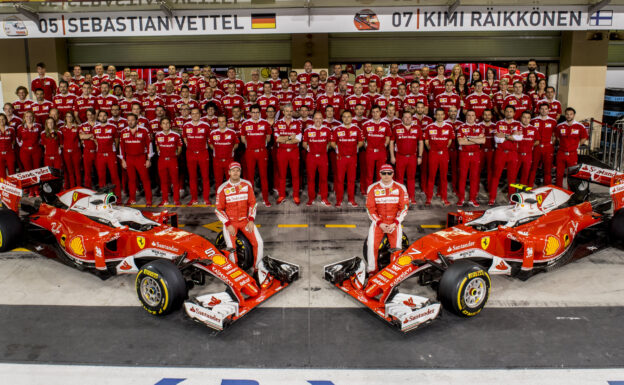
540	230
86	230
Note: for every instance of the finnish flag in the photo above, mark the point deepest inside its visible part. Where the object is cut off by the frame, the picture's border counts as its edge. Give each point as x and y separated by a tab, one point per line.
601	19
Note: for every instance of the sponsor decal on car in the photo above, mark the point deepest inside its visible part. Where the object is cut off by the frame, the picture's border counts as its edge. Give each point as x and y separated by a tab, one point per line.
485	242
140	242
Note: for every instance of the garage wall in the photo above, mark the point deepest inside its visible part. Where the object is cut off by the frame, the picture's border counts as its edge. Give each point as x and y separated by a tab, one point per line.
464	46
616	53
212	50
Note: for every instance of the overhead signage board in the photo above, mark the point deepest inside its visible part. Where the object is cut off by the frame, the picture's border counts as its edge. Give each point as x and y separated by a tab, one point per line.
318	20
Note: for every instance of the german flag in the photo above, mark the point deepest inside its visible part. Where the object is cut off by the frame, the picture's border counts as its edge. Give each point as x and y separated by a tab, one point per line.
263	21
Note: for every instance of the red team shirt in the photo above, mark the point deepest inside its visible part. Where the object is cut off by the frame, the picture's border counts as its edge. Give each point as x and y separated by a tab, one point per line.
317	139
478	103
168	143
196	136
376	133
470	130
521	104
406	138
529	135
134	144
105	135
284	128
347	139
545	129
255	133
223	143
64	103
570	135
507	128
438	136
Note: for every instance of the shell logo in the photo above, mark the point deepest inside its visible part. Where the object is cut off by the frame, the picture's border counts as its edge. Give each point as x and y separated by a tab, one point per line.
552	245
219	260
77	246
404	260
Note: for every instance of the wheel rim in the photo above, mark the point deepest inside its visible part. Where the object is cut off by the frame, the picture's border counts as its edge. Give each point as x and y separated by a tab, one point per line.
474	293
150	291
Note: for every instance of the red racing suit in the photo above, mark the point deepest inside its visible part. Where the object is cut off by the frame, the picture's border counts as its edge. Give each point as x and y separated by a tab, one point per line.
106	158
134	150
346	139
544	152
223	152
469	161
569	136
375	134
196	136
388	205
168	164
316	159
288	154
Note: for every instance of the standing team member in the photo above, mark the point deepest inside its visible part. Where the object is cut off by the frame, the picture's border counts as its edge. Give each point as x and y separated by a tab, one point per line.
107	141
448	98
487	149
346	139
377	132
544	152
478	101
7	152
236	209
470	137
387	203
41	107
70	132
135	158
288	134
420	117
530	139
406	149
570	134
195	134
255	134
507	135
84	102
223	141
438	137
316	141
64	101
518	100
28	138
44	82
51	142
88	146
169	147
22	104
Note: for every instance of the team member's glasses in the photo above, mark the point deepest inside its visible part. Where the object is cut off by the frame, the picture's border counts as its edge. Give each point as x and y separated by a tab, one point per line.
387	173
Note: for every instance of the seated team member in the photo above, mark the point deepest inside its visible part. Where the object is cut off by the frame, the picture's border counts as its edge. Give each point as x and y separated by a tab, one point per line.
169	147
236	209
387	203
570	135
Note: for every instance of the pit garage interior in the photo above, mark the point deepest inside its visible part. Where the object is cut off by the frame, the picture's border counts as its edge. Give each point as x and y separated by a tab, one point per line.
63	326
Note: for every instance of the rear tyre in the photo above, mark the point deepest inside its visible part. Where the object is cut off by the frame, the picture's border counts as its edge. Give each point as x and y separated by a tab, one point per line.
464	288
244	250
11	229
161	287
616	227
383	258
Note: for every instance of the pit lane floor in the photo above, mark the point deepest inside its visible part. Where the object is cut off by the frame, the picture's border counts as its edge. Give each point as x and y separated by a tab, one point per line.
569	318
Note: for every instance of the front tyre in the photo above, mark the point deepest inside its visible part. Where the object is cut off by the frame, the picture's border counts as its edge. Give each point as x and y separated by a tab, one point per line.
383	256
10	230
464	288
244	250
160	287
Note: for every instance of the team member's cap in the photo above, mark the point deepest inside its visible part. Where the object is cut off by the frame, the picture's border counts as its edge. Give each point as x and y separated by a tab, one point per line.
386	167
235	165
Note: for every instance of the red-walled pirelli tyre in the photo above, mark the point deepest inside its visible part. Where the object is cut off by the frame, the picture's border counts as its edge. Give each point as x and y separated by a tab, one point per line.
160	287
464	288
10	230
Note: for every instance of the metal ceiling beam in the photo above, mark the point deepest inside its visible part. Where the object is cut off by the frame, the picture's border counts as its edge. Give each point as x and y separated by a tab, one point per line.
27	12
453	7
165	7
598	6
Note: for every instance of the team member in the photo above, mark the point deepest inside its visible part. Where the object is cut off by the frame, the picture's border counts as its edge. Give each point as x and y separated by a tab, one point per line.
44	82
330	98
532	66
223	142
470	136
254	85
423	121
288	135
126	102
236	209
151	102
306	76
51	143
499	99
135	158
448	98
387	203
231	79
255	134
64	101
70	132
366	77
196	134
544	151
521	102
393	79
88	145
554	106
13	120
346	139
285	94
22	104
487	149
437	85
508	134
570	135
106	100
84	102
358	98
28	138
107	141
478	101
453	114
414	97
7	151
41	107
530	139
232	100
438	137
377	132
303	99
406	149
267	99
316	141
512	76
169	147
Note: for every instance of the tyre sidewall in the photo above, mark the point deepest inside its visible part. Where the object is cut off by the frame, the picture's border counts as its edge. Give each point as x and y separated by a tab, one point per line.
171	283
10	230
453	284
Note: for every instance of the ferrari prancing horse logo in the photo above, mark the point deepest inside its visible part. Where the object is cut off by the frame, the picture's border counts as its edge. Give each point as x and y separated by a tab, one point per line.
540	198
485	242
141	242
75	196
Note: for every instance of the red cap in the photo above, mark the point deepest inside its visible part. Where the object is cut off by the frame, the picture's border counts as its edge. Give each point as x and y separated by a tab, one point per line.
235	165
386	167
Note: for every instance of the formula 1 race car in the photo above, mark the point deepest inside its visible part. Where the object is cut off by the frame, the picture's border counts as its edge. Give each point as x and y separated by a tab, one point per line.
542	229
86	230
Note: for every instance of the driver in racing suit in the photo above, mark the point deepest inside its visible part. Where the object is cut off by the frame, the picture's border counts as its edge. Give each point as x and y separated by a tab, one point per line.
236	209
387	202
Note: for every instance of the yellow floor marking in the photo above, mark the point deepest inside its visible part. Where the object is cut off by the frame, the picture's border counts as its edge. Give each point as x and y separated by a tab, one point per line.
333	226
20	249
293	225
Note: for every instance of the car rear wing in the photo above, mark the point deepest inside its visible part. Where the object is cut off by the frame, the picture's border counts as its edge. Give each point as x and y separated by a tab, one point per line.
12	187
600	175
